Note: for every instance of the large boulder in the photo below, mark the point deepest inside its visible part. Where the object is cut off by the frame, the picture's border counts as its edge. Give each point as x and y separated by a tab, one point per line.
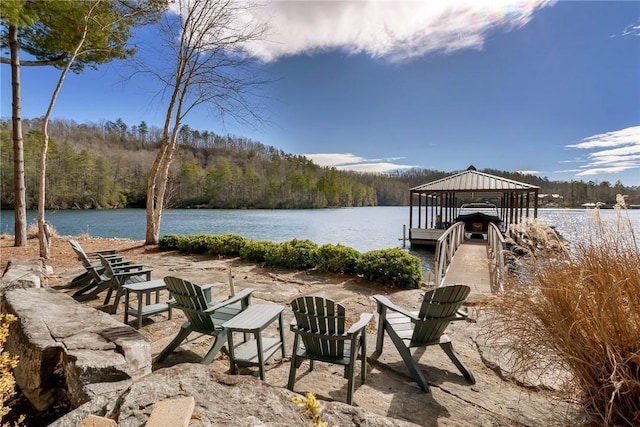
23	274
220	400
64	346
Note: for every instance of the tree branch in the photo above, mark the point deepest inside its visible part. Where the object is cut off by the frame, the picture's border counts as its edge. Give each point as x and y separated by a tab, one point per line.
52	61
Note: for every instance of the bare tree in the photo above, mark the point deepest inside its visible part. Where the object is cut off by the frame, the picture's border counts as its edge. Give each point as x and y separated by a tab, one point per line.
210	69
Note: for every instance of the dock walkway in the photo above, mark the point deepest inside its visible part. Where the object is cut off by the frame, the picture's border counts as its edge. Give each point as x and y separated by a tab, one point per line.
471	266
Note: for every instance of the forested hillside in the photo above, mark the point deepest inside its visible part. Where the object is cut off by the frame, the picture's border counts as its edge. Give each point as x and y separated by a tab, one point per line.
105	165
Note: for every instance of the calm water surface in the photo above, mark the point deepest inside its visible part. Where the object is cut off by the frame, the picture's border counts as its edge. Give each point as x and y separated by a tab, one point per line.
363	229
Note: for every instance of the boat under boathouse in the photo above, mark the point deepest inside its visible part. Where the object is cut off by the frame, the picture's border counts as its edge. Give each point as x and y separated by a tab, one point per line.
437	205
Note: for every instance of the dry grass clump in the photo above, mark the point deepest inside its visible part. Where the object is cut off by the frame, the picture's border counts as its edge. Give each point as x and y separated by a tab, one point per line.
581	310
33	232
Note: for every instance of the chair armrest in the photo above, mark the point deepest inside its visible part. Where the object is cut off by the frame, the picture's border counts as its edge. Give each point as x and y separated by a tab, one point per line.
103	252
127	267
461	315
242	295
118	262
361	324
132	273
382	300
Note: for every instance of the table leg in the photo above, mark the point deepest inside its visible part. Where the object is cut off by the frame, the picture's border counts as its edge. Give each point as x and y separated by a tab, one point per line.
140	310
126	306
281	325
258	336
232	364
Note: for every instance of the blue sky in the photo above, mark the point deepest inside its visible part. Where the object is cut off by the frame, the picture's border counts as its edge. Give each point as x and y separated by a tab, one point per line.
549	88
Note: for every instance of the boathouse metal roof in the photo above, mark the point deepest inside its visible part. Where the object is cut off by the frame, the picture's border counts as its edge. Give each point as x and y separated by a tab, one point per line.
472	180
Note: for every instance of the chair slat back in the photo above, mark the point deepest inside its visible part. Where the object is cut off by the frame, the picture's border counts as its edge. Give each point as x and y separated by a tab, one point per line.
80	253
439	303
320	319
191	299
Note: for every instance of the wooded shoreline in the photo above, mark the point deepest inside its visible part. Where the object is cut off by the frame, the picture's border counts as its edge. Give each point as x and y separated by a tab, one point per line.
105	165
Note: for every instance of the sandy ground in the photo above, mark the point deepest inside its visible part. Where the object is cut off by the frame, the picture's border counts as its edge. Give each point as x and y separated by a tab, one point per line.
389	389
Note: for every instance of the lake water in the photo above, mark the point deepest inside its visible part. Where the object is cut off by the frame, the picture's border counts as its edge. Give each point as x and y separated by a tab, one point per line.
363	229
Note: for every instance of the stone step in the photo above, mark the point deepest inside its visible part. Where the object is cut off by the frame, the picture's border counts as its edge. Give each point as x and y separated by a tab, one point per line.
174	413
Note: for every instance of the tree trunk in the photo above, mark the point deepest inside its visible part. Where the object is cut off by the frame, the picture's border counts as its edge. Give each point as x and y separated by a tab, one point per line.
152	235
19	191
156	188
44	235
44	232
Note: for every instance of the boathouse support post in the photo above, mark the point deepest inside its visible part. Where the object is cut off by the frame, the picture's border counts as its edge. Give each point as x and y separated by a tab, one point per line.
411	211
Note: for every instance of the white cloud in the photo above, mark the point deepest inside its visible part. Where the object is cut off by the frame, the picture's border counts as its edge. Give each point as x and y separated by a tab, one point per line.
395	30
631	30
529	172
629	135
348	161
612	152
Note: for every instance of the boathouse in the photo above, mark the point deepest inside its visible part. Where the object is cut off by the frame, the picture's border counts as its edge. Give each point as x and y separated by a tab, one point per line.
435	206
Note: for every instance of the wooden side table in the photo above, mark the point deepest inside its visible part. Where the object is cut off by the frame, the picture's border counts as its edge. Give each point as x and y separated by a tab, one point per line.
257	351
145	308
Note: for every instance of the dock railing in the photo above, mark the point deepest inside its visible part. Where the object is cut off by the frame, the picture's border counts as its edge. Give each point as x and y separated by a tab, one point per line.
496	250
446	247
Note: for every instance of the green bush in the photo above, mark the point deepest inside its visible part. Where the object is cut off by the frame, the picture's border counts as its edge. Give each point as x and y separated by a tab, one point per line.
391	267
197	243
234	243
170	242
256	250
338	259
295	254
226	244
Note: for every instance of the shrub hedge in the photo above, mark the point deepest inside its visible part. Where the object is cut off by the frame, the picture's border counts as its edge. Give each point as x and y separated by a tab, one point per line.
256	250
391	267
296	254
338	259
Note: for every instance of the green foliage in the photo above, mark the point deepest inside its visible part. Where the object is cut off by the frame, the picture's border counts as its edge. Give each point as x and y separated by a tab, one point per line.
104	165
51	30
257	250
338	259
197	243
170	242
391	267
296	254
227	244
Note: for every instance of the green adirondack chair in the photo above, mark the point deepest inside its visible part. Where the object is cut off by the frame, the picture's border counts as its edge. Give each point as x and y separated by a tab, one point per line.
320	324
407	330
204	315
92	282
115	276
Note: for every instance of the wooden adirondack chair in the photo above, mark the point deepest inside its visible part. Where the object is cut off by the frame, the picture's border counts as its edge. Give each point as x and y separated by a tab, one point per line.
407	330
92	281
115	276
204	315
320	323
